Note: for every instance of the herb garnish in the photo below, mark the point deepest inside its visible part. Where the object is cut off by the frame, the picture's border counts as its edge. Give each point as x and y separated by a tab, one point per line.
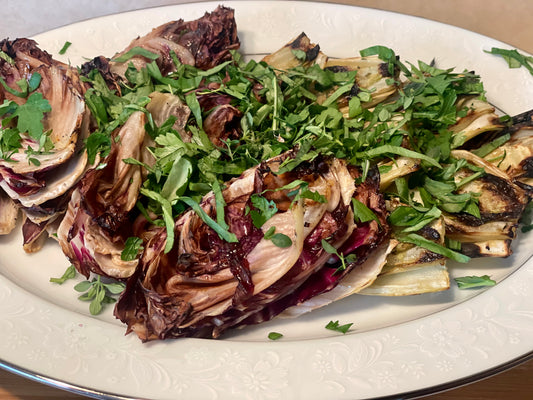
286	114
334	326
69	273
65	47
469	282
275	335
132	247
328	248
98	293
514	58
136	51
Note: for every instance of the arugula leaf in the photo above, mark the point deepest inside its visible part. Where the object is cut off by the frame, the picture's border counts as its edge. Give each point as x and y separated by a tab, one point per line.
194	105
413	219
220	204
491	146
386	54
400	151
335	326
469	282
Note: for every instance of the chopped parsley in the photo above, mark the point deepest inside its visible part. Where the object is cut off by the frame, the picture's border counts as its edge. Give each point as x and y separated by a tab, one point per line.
281	111
335	326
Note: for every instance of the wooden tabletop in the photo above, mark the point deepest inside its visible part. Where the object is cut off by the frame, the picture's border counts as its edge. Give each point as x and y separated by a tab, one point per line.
506	20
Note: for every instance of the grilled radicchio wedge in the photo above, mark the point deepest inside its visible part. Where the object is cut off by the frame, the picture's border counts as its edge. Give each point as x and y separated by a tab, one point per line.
204	43
93	232
206	285
42	163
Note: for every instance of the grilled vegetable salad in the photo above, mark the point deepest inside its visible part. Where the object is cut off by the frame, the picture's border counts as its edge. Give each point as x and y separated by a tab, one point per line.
213	192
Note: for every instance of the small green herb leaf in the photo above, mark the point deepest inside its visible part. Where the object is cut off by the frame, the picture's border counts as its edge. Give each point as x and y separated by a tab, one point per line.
136	51
418	240
275	335
83	286
98	293
30	115
70	273
132	247
221	231
334	326
469	282
514	58
281	240
362	213
263	210
65	47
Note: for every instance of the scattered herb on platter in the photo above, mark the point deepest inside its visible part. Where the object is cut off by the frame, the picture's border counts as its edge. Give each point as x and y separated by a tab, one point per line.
275	335
514	58
470	282
98	293
335	326
70	273
65	47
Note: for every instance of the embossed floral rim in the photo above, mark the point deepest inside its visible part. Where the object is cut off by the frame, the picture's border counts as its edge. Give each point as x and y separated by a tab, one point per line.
414	394
46	336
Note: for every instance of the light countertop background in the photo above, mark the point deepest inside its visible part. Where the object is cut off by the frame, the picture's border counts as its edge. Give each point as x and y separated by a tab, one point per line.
509	21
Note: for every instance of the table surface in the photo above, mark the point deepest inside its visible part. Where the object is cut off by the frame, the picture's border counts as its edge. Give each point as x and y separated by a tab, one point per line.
504	20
